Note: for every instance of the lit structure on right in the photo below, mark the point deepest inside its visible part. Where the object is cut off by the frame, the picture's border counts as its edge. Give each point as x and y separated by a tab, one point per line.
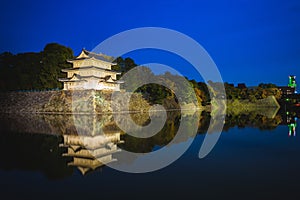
292	82
291	88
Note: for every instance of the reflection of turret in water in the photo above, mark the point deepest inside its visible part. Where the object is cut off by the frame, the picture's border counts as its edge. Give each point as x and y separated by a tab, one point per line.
90	152
93	146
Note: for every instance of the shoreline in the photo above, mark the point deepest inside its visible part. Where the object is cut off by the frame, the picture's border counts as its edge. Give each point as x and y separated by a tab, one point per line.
99	102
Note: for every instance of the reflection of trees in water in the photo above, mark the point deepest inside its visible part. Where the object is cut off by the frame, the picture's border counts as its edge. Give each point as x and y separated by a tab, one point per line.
204	122
41	152
252	120
143	145
162	138
33	152
165	135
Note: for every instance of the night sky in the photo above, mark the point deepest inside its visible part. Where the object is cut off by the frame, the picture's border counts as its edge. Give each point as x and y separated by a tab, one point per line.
250	41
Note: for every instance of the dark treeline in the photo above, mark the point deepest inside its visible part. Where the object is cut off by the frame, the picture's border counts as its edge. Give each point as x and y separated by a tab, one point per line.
40	71
159	94
34	71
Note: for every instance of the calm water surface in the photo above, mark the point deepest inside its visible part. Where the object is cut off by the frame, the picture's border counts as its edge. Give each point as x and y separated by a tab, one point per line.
255	158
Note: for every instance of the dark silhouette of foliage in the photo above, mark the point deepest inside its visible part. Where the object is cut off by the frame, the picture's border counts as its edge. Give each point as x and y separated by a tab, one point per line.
54	59
40	71
34	71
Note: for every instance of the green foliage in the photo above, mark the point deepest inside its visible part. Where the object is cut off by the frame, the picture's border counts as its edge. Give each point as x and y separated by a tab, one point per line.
205	97
34	71
19	71
267	85
157	93
40	71
252	94
53	60
123	65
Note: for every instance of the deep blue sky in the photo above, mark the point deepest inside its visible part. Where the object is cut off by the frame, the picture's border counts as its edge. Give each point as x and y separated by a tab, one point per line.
250	41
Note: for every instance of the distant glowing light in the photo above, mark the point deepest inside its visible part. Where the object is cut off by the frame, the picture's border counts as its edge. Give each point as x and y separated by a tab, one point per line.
292	82
292	128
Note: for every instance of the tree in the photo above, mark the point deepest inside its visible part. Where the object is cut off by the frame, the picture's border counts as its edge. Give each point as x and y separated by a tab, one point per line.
30	71
19	71
53	60
205	96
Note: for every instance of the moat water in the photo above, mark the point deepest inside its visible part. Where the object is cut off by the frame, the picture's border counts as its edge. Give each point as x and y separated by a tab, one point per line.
256	157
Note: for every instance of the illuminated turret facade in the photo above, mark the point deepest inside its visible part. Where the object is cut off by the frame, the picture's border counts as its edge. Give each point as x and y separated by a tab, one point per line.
91	71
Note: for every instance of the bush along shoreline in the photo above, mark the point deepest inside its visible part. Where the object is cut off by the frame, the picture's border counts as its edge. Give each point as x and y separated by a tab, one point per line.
99	102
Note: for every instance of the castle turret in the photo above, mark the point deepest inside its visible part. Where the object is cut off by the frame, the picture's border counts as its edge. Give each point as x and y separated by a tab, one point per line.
91	71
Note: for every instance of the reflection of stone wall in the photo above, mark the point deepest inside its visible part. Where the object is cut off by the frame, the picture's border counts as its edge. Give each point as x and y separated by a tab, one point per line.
81	101
64	124
25	123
